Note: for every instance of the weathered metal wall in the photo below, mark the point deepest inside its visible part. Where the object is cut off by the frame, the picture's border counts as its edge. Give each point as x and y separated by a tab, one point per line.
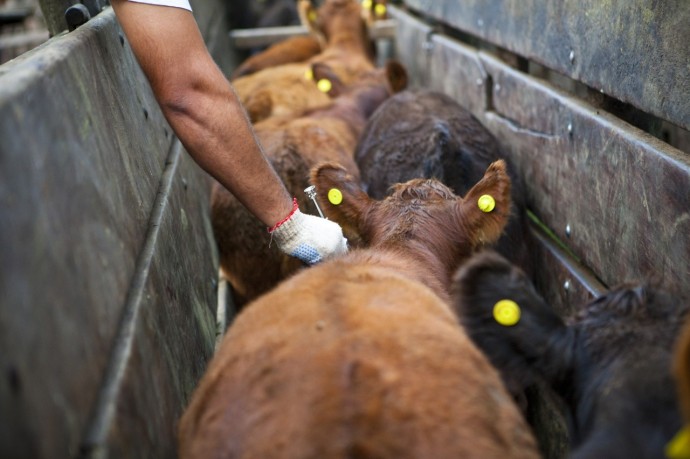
107	260
635	50
616	196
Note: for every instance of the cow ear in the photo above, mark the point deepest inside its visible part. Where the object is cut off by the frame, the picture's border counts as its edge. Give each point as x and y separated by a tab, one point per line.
397	75
341	198
510	322
326	80
308	17
484	211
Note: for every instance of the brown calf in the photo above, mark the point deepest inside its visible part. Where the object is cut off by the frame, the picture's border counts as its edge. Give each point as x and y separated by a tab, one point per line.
290	50
294	145
301	48
288	89
359	357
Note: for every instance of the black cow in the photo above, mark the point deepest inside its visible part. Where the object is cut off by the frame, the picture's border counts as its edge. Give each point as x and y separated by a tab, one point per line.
610	362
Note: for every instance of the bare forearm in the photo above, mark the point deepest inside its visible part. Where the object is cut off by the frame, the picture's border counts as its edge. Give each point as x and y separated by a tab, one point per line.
201	107
216	133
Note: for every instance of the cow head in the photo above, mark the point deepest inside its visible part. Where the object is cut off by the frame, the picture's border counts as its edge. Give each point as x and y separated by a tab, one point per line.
374	10
393	75
332	17
610	362
422	216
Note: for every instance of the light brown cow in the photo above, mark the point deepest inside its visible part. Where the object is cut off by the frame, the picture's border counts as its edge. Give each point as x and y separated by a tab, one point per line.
303	47
360	356
288	89
294	145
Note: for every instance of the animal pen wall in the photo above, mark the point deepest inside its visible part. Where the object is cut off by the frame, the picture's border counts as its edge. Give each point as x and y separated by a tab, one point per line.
107	280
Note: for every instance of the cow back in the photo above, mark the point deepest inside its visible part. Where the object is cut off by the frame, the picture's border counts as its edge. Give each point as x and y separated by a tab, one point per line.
352	359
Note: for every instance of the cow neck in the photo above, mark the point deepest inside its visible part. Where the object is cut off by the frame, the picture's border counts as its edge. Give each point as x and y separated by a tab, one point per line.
363	101
348	41
421	266
356	107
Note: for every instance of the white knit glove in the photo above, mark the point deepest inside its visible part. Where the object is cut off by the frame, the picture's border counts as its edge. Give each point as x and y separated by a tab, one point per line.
309	238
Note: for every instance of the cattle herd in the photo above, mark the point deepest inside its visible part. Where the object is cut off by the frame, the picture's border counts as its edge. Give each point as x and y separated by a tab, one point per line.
420	341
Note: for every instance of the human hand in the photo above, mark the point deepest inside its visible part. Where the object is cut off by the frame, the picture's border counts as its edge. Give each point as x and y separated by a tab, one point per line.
309	238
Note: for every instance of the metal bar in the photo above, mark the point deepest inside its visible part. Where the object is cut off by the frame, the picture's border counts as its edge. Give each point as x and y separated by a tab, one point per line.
250	38
23	39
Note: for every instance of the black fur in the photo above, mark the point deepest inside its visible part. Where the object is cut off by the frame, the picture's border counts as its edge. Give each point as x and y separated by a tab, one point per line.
610	362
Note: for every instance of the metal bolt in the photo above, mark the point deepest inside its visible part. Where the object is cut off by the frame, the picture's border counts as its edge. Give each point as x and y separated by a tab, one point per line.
311	194
572	56
567	230
76	15
570	128
566	285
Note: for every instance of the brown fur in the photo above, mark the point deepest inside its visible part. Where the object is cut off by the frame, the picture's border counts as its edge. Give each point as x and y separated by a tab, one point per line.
371	14
284	89
681	369
300	48
293	145
290	50
425	133
358	357
404	218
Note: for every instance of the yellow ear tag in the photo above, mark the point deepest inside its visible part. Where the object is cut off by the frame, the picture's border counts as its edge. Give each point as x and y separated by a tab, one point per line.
366	4
380	10
679	446
486	203
335	196
507	312
311	16
309	74
324	85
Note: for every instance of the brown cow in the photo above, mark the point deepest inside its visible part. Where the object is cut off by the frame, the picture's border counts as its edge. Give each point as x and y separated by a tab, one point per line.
288	89
294	145
289	50
359	356
424	133
610	362
301	48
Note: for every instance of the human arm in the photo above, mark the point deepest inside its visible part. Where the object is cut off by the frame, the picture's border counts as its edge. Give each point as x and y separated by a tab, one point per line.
205	113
